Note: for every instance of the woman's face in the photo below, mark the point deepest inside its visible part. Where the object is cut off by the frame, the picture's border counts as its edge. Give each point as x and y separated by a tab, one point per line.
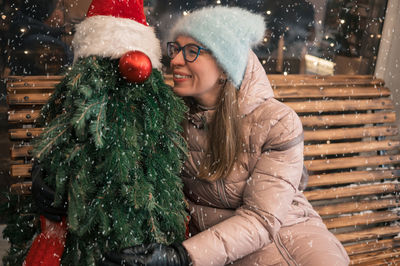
198	79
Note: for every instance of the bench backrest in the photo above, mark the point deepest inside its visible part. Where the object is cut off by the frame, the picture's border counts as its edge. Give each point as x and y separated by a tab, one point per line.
351	152
352	155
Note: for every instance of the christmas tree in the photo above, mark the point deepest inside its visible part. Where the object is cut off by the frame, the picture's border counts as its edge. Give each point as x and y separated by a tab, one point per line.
111	146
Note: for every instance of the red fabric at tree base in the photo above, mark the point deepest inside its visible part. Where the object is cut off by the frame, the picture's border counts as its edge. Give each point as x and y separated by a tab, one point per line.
48	246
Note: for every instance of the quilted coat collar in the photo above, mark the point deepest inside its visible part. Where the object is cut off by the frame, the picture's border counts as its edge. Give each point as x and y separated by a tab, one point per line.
255	88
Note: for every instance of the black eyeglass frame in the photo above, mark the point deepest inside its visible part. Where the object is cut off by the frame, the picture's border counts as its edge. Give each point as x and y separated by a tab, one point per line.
182	48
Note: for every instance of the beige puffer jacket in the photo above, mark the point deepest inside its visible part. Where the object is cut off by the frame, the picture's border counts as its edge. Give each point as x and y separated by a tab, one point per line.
243	212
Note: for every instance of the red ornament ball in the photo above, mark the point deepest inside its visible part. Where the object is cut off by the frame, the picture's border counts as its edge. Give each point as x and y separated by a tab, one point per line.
135	66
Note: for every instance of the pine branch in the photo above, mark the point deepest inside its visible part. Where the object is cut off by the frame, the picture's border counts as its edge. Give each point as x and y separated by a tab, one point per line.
39	154
87	109
98	133
76	79
180	147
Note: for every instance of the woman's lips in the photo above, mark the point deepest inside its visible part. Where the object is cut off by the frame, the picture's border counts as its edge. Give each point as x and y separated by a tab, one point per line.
181	77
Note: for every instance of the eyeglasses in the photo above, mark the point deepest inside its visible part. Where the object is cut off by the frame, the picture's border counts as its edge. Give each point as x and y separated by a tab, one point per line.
190	51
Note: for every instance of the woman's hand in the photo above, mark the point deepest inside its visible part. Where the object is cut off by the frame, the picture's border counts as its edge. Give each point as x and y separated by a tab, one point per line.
153	254
44	196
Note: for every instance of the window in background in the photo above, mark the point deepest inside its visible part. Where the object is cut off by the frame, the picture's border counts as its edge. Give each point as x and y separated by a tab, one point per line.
352	33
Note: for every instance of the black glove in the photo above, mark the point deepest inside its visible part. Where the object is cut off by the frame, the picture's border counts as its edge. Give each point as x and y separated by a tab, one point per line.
151	255
44	196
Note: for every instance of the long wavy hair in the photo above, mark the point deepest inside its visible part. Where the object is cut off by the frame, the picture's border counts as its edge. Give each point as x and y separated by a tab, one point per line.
224	136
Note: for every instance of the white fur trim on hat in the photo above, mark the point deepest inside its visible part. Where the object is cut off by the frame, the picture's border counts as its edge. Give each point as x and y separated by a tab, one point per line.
229	32
108	36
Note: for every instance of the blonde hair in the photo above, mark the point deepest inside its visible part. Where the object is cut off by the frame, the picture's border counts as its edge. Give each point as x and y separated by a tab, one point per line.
224	136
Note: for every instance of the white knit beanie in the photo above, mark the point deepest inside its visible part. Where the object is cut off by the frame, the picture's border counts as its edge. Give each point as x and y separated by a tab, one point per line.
229	32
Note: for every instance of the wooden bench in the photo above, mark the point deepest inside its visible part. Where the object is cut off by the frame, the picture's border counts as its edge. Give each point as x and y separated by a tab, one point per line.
351	152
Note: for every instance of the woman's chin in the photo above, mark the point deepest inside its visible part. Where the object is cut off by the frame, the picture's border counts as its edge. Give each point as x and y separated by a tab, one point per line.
182	92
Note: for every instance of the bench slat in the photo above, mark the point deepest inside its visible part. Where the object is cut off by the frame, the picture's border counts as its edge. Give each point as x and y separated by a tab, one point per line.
24	188
371	233
37	77
23	116
47	84
351	177
350	133
372	246
352	191
395	260
21	151
371	258
358	206
303	80
24	133
361	219
350	162
331	92
348	119
27	90
345	105
20	170
301	84
323	78
350	147
27	99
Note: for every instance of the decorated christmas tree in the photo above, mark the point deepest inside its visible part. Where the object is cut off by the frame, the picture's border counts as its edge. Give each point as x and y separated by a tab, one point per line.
111	147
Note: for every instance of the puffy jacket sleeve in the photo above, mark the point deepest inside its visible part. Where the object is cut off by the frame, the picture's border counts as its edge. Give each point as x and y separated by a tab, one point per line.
267	197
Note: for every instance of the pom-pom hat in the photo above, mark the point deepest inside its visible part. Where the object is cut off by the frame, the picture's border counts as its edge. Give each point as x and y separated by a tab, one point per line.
228	32
114	27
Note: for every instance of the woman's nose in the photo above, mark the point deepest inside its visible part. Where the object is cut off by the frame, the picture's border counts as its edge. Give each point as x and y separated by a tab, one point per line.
178	59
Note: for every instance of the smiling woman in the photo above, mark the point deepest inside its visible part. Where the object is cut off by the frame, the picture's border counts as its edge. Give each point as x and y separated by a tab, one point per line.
241	179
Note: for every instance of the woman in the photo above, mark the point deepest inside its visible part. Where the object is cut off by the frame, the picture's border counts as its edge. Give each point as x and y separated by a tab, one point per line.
246	156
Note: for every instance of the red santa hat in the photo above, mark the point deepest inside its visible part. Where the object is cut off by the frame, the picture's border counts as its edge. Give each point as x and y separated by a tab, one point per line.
114	27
